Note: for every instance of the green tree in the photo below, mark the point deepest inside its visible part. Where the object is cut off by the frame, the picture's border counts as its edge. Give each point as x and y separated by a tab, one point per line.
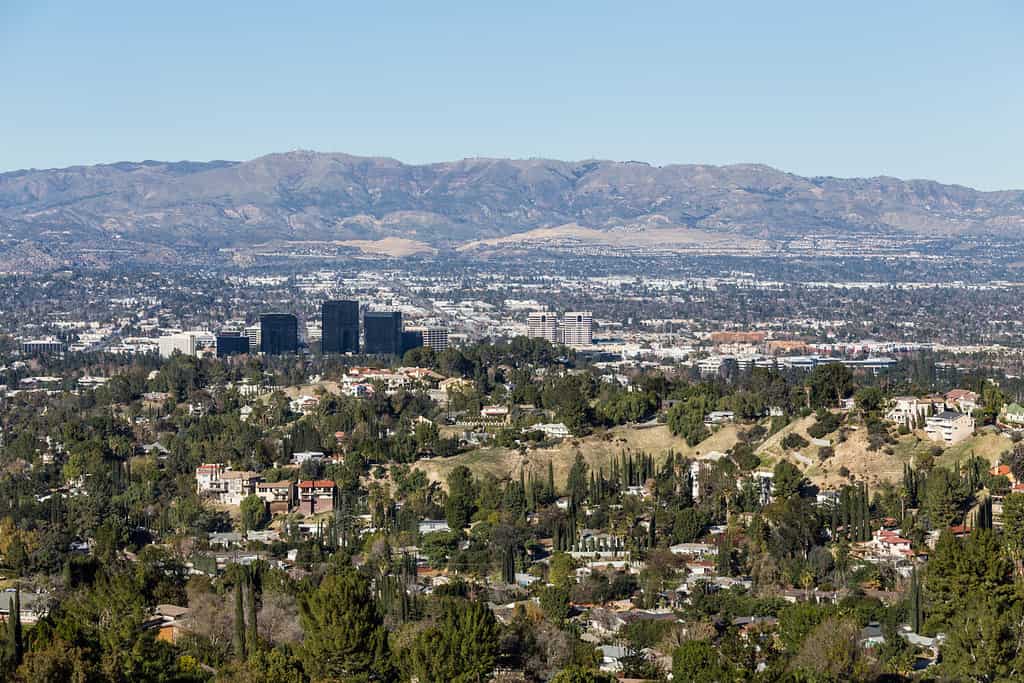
787	480
1013	528
830	652
238	640
698	661
15	646
983	643
869	399
345	636
254	513
461	646
829	384
944	497
554	602
461	502
575	674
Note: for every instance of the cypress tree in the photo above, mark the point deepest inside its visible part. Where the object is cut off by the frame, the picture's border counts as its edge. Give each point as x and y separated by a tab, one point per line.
916	612
724	563
508	568
549	493
252	635
239	637
13	646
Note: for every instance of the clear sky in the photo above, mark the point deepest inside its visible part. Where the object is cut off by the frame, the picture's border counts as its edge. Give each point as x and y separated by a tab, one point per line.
905	88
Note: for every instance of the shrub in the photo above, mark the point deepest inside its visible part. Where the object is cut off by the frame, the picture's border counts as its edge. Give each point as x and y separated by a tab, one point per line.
793	442
826	424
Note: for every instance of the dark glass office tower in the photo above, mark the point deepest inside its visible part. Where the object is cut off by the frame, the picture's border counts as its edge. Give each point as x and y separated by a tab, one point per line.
231	344
340	325
411	339
279	333
383	332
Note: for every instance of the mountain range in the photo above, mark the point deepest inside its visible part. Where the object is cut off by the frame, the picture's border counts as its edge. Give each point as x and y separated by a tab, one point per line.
181	207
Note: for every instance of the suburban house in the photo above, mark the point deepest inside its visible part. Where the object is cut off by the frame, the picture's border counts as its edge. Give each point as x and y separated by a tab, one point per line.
304	405
551	430
303	456
316	496
697	551
278	495
494	412
33	606
949	427
226	486
907	409
1013	414
208	477
889	544
429	526
961	399
168	621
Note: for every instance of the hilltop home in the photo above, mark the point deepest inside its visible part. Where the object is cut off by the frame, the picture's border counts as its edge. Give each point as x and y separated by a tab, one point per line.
279	495
316	496
224	485
961	399
1013	414
949	427
906	410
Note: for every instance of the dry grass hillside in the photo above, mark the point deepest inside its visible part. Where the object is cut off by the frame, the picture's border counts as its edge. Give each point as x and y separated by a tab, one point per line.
597	450
853	458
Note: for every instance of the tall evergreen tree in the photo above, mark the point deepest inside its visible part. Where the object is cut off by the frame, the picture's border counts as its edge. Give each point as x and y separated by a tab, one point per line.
252	631
239	634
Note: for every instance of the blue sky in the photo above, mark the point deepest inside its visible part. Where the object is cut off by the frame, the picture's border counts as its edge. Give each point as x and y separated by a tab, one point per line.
912	89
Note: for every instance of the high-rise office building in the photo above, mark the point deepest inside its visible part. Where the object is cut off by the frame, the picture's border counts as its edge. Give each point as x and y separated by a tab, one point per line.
543	324
252	332
411	339
436	338
279	333
382	332
339	327
231	344
183	343
578	328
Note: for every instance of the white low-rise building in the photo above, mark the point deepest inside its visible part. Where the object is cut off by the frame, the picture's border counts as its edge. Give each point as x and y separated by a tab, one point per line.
553	430
949	427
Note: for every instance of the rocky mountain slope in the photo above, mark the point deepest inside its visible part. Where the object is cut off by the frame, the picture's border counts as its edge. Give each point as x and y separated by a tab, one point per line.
314	196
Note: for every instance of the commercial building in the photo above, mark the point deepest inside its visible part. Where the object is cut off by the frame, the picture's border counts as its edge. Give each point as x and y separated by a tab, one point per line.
231	344
252	332
578	328
279	333
543	324
42	346
411	339
436	338
383	332
184	343
339	326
